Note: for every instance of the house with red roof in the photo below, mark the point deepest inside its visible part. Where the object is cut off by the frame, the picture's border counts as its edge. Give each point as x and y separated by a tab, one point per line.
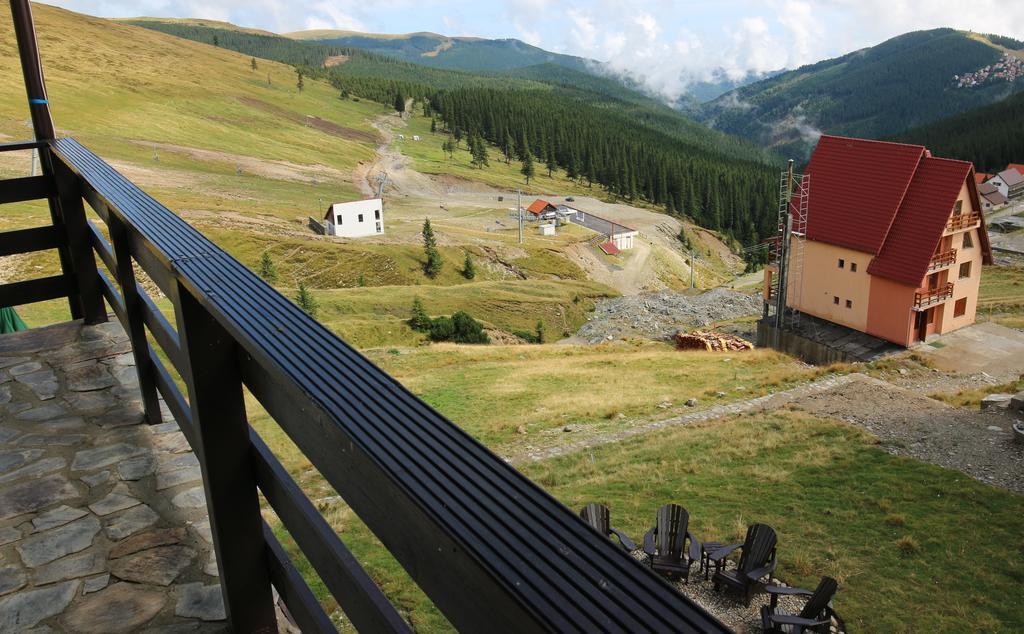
895	240
542	209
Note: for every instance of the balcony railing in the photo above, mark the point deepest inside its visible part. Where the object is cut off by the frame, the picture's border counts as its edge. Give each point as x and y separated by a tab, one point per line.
942	260
963	221
925	298
489	547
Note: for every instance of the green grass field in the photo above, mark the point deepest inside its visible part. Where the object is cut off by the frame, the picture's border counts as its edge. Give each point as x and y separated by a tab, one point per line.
1001	297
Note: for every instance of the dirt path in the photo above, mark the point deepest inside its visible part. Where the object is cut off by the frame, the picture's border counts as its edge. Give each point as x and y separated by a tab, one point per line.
402	179
979	444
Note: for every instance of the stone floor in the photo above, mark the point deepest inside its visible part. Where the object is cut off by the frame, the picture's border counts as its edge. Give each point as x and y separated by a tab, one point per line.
103	524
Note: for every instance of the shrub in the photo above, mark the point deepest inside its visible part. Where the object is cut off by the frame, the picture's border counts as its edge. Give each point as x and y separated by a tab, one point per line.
526	336
467	329
442	329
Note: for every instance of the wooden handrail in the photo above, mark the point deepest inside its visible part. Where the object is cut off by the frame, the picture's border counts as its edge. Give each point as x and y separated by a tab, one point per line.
456	516
963	221
924	298
942	259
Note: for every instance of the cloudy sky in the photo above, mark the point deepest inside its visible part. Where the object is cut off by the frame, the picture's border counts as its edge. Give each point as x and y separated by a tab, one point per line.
667	43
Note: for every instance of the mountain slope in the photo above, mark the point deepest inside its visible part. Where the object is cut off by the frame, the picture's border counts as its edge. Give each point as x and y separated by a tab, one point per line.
990	136
904	82
455	53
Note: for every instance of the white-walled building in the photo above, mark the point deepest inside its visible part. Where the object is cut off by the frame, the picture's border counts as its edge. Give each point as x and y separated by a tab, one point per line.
356	219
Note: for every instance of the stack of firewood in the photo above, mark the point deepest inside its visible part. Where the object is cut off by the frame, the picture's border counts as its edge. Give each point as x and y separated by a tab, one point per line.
711	341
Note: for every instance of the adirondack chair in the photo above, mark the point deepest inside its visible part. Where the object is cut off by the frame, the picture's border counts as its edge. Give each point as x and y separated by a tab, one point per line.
599	518
757	561
664	543
815	616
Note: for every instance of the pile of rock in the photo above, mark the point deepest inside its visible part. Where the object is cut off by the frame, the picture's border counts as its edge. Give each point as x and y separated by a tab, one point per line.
659	316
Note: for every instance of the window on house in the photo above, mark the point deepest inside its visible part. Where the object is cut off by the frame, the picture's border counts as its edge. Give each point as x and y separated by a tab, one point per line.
960	307
958	207
835	300
965	270
849	303
376	214
853	267
842	263
360	217
378	227
337	219
968	240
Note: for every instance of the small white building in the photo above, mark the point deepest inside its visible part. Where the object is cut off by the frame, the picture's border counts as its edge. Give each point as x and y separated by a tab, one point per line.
624	239
547	229
356	219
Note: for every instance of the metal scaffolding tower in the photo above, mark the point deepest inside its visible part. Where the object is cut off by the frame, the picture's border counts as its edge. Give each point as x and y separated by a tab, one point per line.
787	250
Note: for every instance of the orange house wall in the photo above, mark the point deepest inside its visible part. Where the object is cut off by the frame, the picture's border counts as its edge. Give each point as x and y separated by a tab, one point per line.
967	287
890	314
821	280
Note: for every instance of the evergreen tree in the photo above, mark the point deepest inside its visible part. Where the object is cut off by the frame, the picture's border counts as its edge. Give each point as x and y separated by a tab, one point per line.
433	264
433	126
550	164
400	102
216	41
300	84
479	151
419	319
468	268
306	301
527	169
540	331
253	62
267	269
510	146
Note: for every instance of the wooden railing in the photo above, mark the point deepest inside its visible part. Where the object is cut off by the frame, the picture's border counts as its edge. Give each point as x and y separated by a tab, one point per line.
963	221
924	298
489	547
942	260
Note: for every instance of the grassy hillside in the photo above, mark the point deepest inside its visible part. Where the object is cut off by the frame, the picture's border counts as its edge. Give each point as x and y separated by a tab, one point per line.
875	92
456	53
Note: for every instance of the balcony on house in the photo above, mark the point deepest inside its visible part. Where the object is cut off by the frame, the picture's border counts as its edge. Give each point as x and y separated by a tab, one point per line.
961	222
926	298
942	260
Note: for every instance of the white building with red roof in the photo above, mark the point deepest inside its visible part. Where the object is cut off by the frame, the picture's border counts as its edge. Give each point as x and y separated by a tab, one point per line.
895	240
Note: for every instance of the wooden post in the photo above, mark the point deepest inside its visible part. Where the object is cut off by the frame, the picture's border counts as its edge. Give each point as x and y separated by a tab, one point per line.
42	125
133	312
89	298
218	414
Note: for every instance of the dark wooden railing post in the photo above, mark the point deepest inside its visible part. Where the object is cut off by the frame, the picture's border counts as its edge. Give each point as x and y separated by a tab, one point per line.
218	415
89	297
133	311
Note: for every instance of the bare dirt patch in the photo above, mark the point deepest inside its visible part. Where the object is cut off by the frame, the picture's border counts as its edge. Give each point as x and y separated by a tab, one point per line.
279	170
335	60
323	125
978	443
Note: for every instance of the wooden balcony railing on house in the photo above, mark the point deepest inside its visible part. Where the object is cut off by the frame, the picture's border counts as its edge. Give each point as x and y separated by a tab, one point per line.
963	221
490	548
925	298
942	260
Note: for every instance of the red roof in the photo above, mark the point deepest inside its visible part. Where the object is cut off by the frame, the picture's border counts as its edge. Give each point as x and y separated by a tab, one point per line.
539	206
1016	166
610	248
921	220
891	200
981	177
856	187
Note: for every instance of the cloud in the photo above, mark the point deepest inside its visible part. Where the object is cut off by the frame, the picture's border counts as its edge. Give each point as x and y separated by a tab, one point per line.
326	15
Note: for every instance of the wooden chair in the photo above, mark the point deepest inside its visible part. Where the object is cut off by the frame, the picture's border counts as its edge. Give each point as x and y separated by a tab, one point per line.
665	541
816	615
599	518
757	561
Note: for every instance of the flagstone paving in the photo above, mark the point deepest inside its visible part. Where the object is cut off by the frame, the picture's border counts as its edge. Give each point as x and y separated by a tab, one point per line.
103	524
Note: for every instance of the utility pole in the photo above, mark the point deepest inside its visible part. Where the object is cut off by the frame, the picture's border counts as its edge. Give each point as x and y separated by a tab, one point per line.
692	264
519	207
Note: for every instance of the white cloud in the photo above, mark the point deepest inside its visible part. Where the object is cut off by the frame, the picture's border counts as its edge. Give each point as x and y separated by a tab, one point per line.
326	15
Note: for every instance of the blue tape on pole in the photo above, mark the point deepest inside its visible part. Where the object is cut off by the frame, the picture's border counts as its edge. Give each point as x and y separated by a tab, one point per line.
39	101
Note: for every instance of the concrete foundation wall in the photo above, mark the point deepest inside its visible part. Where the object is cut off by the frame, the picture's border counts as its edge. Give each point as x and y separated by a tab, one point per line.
808	350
